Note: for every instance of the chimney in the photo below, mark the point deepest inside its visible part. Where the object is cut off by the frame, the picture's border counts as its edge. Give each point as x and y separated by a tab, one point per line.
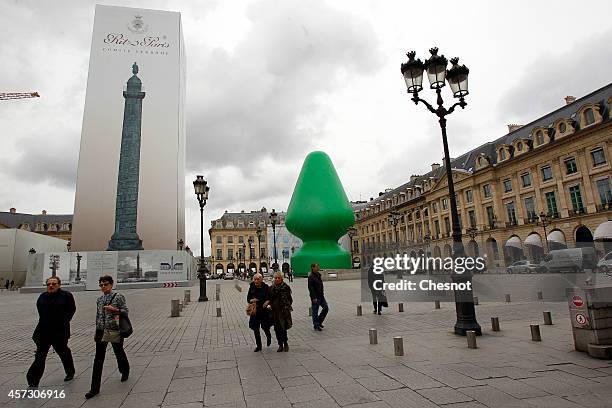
435	166
380	193
371	198
13	210
513	126
44	212
569	99
414	176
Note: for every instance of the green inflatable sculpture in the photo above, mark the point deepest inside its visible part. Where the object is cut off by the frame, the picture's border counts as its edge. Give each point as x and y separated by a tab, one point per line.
319	214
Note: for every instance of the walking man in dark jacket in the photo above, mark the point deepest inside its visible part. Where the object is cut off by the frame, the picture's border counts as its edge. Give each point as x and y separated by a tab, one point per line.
55	310
315	288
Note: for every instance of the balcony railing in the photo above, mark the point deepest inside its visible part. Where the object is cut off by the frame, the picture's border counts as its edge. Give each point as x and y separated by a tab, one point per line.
511	223
578	211
604	207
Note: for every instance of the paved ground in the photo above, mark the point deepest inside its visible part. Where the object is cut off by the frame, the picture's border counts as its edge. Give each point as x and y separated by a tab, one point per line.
200	360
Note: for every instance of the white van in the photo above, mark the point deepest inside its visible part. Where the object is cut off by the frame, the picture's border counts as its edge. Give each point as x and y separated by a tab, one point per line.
563	260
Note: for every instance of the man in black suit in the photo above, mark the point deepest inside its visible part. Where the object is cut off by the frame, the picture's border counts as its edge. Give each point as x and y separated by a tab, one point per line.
55	310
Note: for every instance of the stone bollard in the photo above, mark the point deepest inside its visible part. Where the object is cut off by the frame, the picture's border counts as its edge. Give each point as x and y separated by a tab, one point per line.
373	336
359	310
400	307
471	339
238	287
217	287
495	323
540	296
187	296
535	332
217	296
309	311
436	304
218	311
507	298
174	308
547	318
475	300
398	346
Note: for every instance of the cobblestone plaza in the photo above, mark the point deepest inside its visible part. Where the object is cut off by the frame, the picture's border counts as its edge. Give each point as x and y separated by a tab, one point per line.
199	359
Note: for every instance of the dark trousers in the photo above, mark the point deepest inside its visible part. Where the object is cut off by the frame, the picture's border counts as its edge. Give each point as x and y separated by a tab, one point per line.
281	334
122	361
317	319
258	334
37	369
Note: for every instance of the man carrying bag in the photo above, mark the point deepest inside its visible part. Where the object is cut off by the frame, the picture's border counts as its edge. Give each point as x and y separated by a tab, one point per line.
112	326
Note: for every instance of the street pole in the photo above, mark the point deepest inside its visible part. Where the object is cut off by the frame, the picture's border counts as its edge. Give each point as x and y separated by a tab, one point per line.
201	190
436	67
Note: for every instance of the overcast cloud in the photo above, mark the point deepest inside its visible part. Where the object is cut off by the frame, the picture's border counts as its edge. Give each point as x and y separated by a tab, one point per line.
269	81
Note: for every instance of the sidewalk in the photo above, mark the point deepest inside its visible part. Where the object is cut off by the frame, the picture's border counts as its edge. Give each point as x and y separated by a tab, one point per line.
199	359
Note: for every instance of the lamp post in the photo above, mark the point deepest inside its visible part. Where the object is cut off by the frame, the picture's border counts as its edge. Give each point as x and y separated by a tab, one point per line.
244	259
201	190
394	218
457	77
180	244
351	232
250	240
427	240
544	221
273	221
69	245
259	233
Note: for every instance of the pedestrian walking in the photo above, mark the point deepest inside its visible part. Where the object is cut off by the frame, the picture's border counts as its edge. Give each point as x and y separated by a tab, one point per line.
290	274
315	289
258	295
379	298
12	285
7	284
55	310
280	305
111	307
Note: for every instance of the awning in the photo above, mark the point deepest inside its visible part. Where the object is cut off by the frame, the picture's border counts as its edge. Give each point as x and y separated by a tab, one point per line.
603	231
514	242
556	236
533	239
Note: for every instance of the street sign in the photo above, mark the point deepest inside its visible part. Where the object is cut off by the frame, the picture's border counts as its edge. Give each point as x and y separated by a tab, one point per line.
581	319
577	301
170	284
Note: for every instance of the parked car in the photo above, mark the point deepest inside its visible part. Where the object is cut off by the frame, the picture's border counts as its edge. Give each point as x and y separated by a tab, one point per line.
605	264
214	276
523	266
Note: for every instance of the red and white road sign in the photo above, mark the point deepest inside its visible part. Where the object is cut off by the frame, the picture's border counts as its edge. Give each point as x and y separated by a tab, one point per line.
577	301
581	319
170	284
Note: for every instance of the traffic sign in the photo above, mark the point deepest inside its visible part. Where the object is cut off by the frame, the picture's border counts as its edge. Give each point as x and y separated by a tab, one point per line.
581	319
577	301
170	284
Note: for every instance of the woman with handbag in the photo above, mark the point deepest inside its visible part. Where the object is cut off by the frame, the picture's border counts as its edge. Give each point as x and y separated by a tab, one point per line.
280	305
111	318
259	317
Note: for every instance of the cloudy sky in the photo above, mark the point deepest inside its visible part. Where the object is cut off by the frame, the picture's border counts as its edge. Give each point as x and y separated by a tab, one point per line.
269	81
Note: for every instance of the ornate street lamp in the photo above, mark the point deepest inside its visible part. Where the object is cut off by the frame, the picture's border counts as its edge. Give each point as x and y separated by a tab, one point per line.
544	221
201	190
259	233
351	232
427	240
180	244
250	240
437	73
273	221
394	219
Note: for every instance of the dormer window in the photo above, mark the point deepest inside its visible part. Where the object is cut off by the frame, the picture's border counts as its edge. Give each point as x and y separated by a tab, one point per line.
502	154
540	137
562	127
589	117
519	146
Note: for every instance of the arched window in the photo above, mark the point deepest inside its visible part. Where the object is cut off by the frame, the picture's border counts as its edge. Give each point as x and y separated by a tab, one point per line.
562	127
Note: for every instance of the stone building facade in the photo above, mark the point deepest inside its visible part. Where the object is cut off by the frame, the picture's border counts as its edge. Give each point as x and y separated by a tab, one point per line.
53	225
558	166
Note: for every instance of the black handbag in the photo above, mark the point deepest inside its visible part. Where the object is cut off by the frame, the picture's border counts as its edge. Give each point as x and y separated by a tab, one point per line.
125	325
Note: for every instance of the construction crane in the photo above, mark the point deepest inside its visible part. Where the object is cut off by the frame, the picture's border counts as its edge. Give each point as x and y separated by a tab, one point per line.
18	95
